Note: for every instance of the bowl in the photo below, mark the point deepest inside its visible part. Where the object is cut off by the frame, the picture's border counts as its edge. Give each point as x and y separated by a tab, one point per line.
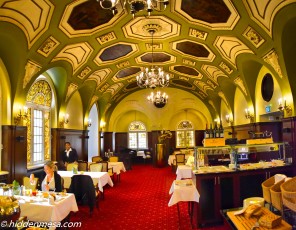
254	200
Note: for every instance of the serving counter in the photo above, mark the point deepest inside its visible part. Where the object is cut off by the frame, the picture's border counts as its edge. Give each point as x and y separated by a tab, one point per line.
223	188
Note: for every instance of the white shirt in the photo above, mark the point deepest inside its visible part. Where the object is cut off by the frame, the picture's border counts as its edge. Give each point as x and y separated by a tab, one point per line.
68	152
51	184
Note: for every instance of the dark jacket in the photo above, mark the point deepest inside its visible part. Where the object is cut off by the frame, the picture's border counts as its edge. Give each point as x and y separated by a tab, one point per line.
73	156
84	190
57	181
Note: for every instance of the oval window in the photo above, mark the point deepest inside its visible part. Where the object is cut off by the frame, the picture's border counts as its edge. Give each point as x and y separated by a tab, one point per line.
267	87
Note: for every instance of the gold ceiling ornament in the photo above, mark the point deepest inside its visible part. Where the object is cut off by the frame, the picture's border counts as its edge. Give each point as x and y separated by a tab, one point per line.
30	70
272	59
153	77
134	6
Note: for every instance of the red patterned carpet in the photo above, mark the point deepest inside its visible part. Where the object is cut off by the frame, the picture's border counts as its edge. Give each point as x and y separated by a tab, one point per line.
138	201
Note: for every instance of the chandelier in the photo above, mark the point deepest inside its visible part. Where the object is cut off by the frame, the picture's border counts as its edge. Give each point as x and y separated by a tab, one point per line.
159	99
154	76
135	5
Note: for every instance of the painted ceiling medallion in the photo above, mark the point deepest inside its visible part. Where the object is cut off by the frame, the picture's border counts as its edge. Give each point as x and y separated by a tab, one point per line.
139	28
214	14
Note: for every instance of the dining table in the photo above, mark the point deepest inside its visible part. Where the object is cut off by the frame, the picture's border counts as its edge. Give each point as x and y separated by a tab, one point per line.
183	191
117	168
184	171
100	179
40	209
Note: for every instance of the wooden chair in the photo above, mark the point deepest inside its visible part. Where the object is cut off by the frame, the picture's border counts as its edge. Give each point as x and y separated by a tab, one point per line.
96	159
70	166
179	160
148	157
27	183
82	166
95	167
85	192
106	169
113	159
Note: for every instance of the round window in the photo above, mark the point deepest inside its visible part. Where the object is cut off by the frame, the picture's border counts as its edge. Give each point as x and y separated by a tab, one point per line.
267	87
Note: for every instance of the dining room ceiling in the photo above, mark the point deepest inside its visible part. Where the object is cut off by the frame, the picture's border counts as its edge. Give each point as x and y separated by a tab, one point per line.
202	44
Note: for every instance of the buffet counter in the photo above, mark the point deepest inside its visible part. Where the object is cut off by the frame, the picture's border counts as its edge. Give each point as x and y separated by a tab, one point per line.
222	188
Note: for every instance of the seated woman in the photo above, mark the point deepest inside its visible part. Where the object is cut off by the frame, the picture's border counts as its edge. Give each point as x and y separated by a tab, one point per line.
50	180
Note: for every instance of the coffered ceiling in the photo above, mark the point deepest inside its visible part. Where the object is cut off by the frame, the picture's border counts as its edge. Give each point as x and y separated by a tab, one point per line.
202	44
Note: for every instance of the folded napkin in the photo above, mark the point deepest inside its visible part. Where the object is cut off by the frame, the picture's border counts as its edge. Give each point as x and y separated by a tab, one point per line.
186	182
288	178
279	177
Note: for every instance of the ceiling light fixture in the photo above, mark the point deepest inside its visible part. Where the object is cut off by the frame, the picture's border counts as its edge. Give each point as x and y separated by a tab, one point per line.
159	99
155	77
135	5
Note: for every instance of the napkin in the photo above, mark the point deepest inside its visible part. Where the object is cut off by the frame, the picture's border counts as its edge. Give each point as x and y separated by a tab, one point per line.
279	177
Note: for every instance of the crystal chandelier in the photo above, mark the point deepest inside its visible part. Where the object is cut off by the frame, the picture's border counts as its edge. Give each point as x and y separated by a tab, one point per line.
155	76
159	99
135	5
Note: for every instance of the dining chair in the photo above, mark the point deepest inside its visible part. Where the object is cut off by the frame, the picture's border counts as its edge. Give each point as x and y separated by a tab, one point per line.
82	166
179	160
96	159
113	159
148	157
85	192
70	166
27	183
106	169
95	167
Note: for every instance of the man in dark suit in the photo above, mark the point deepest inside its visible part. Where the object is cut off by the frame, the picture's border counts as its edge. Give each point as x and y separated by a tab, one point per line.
69	155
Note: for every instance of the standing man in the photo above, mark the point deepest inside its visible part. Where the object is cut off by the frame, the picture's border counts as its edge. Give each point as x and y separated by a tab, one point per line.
69	155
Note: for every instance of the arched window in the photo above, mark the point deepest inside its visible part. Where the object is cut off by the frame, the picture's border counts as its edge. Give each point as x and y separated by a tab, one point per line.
185	135
38	102
137	135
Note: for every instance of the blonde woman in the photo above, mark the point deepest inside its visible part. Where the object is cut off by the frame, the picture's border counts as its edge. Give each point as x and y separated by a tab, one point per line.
49	180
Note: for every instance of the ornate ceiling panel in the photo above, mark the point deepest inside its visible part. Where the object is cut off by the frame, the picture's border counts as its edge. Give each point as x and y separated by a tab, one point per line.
33	17
76	54
230	48
197	42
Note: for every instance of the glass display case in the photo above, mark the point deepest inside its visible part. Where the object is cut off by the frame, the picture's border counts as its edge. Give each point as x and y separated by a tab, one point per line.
246	156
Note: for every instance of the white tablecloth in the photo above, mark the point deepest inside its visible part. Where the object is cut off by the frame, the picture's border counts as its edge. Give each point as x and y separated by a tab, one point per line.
184	171
173	157
100	178
117	167
183	193
45	212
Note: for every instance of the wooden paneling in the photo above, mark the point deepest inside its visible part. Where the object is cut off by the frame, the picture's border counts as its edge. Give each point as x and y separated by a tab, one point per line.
77	138
107	142
14	154
121	142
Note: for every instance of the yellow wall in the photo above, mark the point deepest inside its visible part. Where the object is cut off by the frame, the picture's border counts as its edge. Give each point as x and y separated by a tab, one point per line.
158	119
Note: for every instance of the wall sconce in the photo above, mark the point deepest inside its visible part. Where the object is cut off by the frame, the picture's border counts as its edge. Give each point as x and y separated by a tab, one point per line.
284	107
89	123
249	115
102	125
228	119
65	120
21	115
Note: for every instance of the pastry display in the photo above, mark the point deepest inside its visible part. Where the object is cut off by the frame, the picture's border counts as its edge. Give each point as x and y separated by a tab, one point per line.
270	220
